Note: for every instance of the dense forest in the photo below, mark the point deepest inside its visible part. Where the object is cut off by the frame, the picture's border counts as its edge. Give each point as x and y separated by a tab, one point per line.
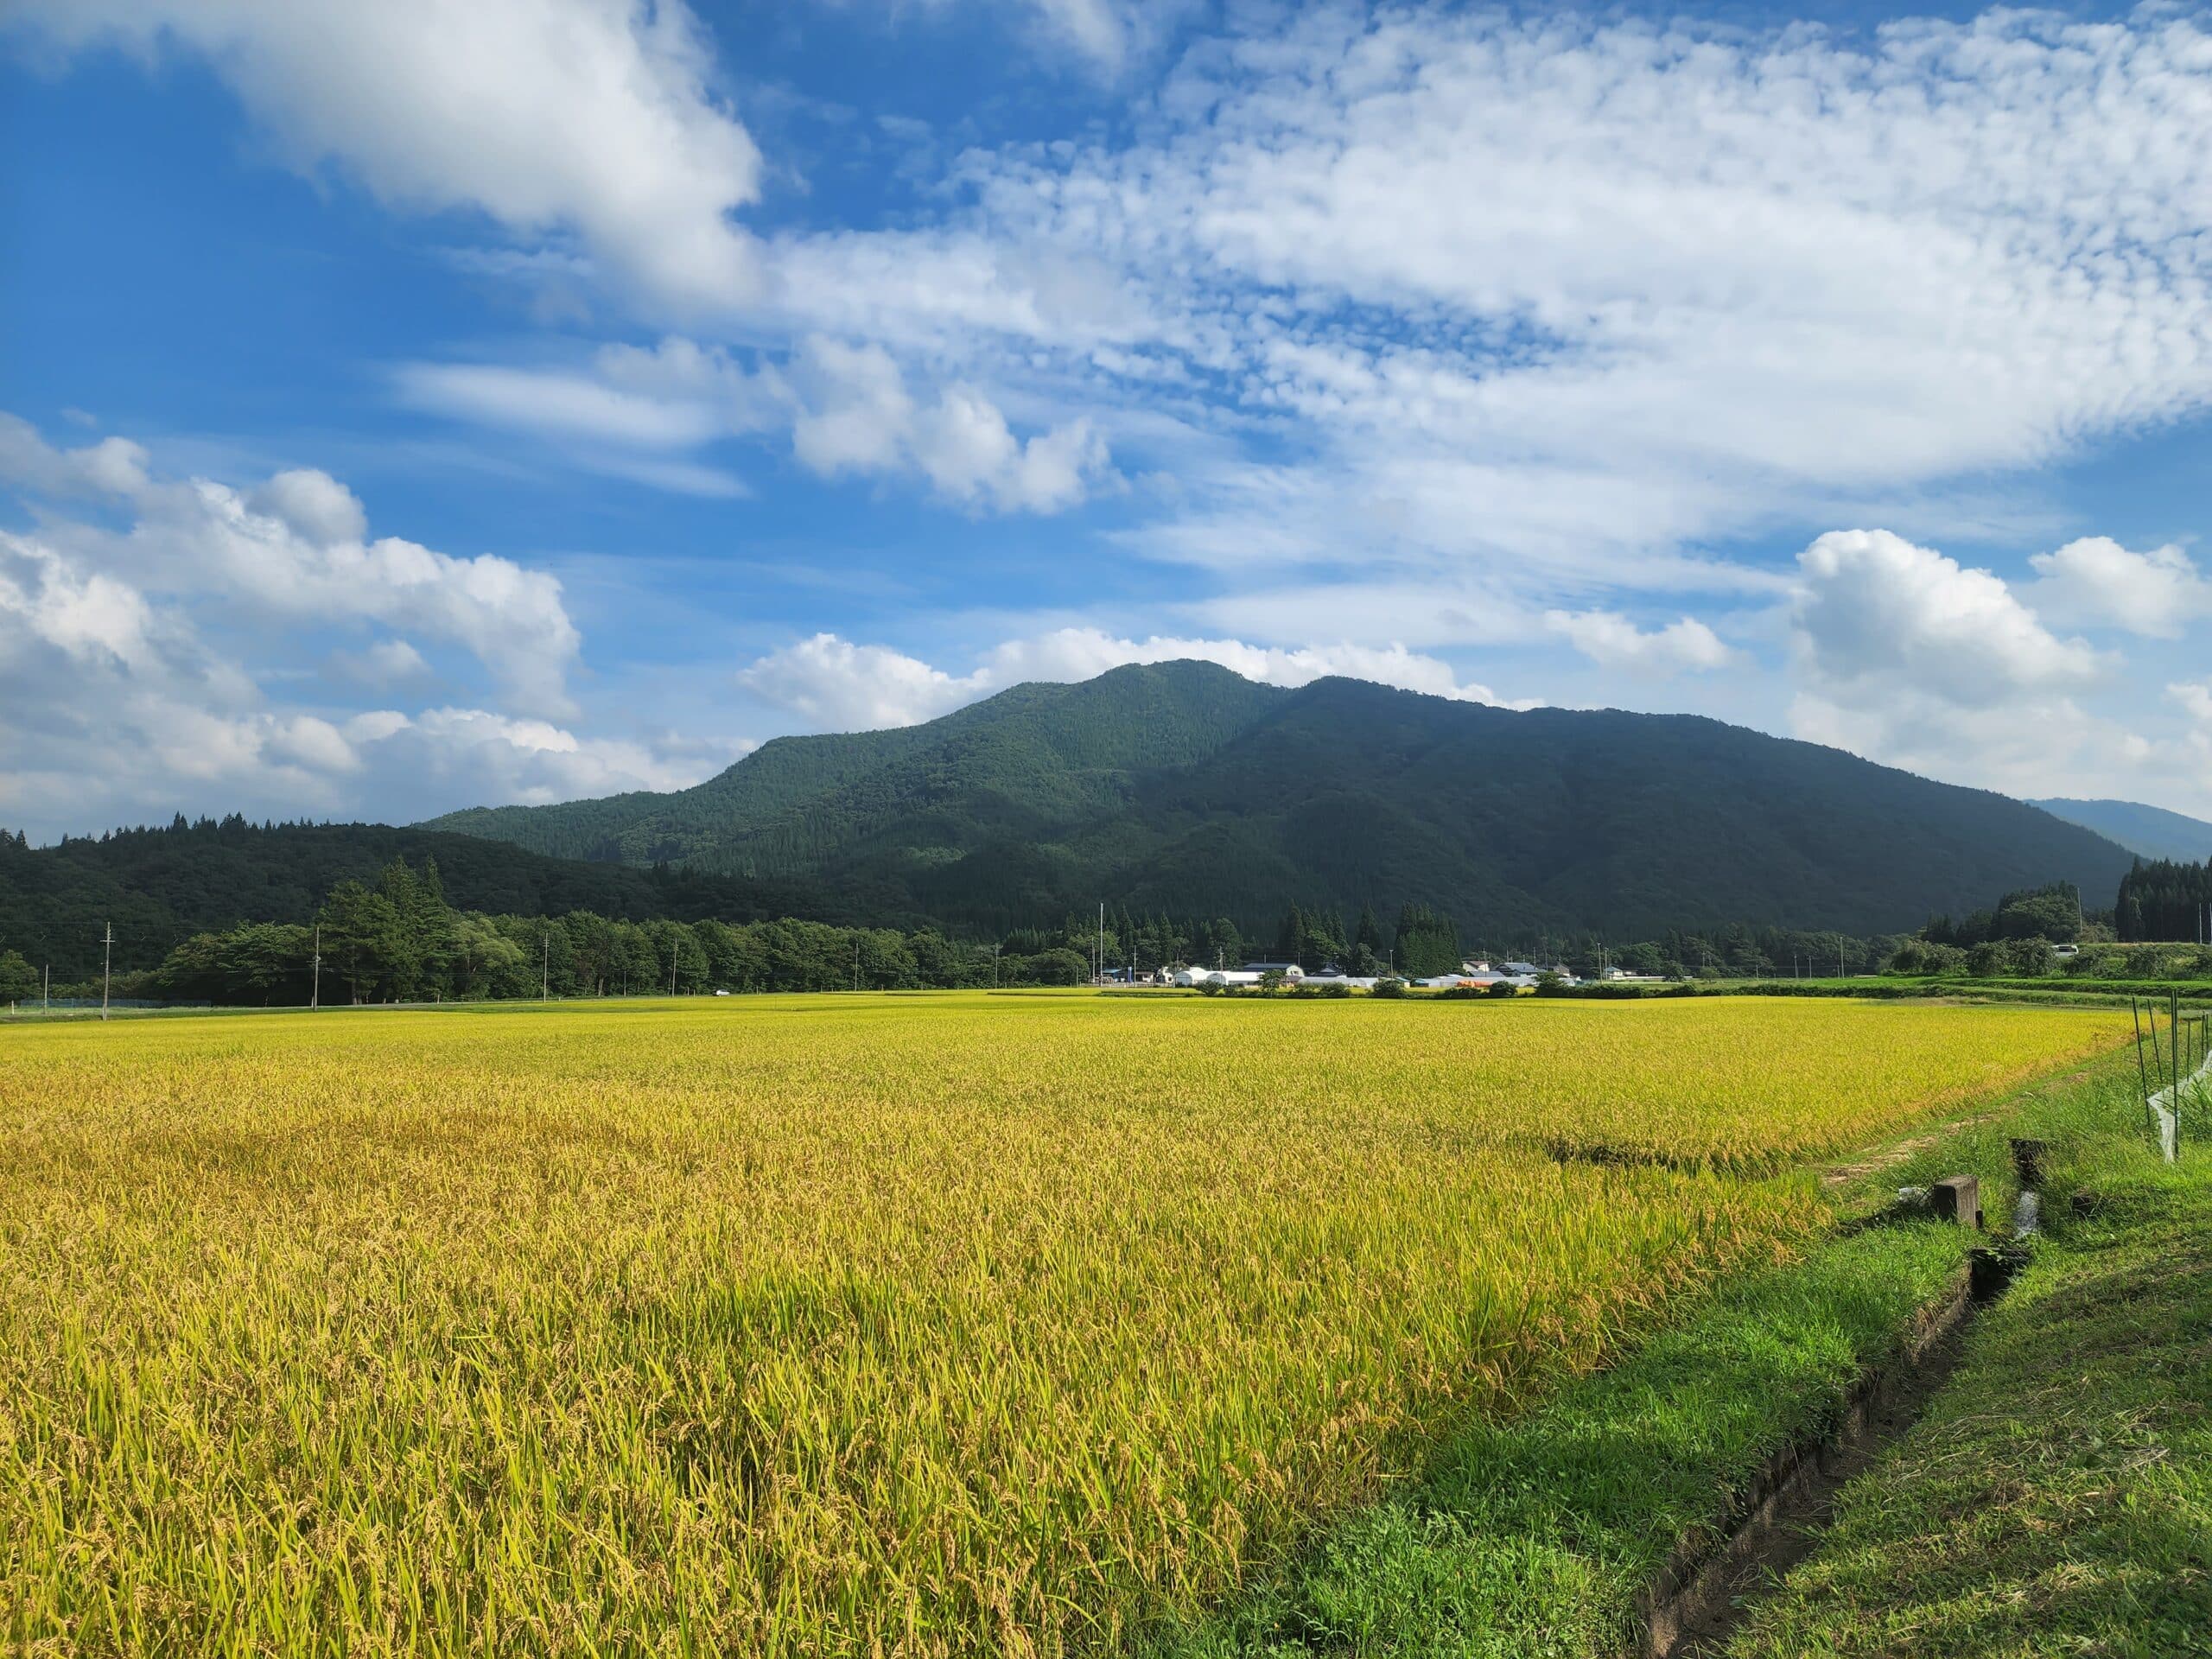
157	887
2167	900
400	937
1182	788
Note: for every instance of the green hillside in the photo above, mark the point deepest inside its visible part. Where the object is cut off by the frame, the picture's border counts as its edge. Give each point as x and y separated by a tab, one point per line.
2151	830
157	886
1183	787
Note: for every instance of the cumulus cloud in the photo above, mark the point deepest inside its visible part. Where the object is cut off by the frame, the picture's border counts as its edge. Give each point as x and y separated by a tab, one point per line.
384	665
122	710
137	658
2095	581
1877	612
593	117
1917	661
834	684
449	754
296	547
1611	641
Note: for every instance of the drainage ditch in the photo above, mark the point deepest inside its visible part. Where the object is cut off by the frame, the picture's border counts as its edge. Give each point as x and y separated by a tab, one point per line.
1707	1590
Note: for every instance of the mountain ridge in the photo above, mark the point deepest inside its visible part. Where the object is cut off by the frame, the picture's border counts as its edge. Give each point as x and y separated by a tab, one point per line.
1183	787
2152	832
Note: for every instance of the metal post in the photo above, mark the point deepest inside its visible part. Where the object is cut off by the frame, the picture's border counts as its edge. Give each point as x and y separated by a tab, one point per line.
2174	1021
2142	1072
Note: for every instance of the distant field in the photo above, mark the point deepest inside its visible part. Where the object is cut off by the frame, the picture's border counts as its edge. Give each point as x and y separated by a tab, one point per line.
842	1325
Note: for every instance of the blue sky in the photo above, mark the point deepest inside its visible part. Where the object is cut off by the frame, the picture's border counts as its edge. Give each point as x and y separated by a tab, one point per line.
411	406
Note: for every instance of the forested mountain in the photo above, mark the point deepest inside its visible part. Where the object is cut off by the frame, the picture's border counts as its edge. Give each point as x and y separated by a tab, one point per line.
158	887
2151	830
1182	788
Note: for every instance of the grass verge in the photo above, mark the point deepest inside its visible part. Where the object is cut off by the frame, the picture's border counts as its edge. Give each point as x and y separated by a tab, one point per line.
2057	1498
1534	1537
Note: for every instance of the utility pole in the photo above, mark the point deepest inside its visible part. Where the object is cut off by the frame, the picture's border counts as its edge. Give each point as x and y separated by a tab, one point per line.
107	967
46	999
856	964
1098	971
314	997
673	953
544	966
994	965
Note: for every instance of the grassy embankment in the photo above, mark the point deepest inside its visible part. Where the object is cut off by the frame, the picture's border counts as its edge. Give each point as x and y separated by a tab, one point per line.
2056	1498
1533	1537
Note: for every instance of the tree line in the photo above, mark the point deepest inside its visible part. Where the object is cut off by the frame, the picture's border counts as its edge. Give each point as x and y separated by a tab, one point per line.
398	939
2166	899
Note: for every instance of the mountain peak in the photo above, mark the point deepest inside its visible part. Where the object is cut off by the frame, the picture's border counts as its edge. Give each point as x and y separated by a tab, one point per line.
1183	786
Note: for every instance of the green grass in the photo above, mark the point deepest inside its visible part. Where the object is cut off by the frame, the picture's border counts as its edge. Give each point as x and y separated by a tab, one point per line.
2056	1498
1533	1537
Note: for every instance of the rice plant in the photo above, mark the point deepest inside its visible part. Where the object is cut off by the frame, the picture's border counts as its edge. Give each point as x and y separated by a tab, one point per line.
855	1325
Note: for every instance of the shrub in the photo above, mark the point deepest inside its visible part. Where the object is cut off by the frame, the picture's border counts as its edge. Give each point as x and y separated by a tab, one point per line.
1390	985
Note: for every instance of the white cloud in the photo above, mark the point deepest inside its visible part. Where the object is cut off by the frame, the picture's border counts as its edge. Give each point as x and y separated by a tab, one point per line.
88	618
1084	653
315	504
2039	745
449	755
121	711
677	395
1103	36
1877	613
1557	296
593	116
385	663
554	403
856	415
1110	35
1914	661
2094	580
296	549
834	684
112	467
1611	641
2196	700
635	413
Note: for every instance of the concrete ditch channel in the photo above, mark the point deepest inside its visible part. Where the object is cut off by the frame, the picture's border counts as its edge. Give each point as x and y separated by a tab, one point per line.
1705	1591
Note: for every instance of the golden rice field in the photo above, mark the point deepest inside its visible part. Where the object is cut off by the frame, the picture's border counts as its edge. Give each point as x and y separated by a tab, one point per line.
845	1324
